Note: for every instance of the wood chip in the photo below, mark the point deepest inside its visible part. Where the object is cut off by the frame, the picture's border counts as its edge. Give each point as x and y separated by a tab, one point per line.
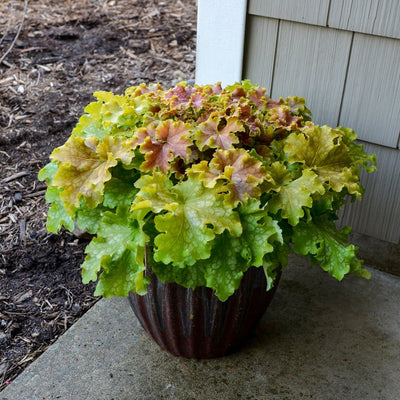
14	176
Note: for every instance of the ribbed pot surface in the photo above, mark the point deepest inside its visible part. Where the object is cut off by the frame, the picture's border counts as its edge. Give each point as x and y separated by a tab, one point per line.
195	323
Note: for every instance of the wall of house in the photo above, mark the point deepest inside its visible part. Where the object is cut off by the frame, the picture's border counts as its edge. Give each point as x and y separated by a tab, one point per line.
343	56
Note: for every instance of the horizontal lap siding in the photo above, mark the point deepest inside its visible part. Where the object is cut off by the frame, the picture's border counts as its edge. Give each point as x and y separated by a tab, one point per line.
378	213
371	101
376	17
311	62
262	33
347	78
306	11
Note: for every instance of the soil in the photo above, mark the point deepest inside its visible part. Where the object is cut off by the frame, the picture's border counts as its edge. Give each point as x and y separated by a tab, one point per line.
53	56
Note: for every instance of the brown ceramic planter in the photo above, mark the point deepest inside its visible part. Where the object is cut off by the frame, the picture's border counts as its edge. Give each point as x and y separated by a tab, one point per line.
195	323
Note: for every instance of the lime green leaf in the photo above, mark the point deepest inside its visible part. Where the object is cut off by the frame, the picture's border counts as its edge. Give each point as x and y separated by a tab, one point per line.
232	256
203	172
294	195
120	276
119	192
47	172
57	215
95	250
275	261
110	114
120	239
224	269
87	127
260	232
155	193
357	153
321	240
243	85
112	106
189	227
88	219
189	276
280	176
322	150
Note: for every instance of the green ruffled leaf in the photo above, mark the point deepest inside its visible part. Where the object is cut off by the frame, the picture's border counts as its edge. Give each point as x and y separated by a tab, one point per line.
57	216
191	223
322	150
356	151
260	233
274	262
87	127
120	276
244	85
111	114
230	256
88	219
189	276
155	193
329	247
119	192
47	172
293	195
121	241
224	269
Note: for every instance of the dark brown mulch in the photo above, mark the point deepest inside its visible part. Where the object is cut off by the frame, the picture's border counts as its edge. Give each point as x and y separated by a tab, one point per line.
64	52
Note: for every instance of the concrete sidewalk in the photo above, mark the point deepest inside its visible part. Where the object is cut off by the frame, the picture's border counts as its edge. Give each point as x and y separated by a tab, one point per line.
320	340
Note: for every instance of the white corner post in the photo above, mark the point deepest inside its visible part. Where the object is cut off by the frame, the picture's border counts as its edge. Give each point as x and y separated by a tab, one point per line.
220	41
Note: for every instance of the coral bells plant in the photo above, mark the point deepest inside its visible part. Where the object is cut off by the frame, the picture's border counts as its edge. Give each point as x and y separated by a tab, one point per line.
200	183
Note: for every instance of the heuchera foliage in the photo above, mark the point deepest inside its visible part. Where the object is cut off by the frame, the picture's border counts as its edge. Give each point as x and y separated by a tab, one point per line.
201	183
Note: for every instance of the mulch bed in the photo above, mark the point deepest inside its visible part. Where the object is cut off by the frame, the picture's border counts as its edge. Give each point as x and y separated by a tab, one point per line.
48	71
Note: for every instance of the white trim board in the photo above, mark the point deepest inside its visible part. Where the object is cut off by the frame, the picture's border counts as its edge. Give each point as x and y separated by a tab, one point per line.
220	41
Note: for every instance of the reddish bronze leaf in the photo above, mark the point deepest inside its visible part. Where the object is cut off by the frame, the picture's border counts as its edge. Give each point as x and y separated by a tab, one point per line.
197	100
238	93
180	95
244	171
273	103
164	143
248	117
283	118
257	96
211	134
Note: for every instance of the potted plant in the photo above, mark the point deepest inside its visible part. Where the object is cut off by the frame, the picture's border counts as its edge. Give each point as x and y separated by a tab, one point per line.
195	196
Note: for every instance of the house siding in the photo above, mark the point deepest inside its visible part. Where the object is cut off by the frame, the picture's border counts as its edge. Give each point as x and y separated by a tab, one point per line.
343	56
375	17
